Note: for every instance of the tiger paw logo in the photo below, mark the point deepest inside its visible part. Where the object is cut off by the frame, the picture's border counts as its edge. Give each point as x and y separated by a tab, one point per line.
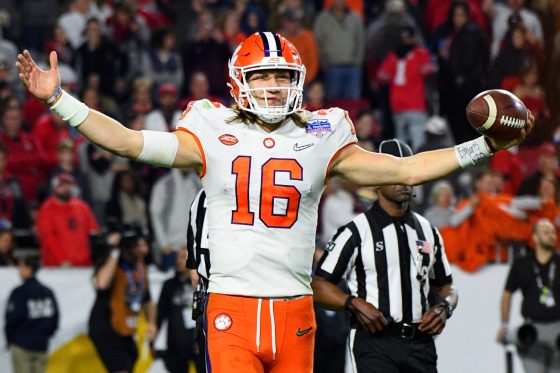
222	322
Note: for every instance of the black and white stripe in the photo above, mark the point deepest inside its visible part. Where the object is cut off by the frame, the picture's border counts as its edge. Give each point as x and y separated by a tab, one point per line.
271	44
197	239
374	253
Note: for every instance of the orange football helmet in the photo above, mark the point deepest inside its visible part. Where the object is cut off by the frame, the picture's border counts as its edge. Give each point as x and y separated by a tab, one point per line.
266	51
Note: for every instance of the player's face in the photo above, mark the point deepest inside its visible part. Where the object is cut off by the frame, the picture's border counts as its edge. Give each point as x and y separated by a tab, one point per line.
266	83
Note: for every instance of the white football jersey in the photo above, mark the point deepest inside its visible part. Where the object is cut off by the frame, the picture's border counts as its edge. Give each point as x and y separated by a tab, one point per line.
263	190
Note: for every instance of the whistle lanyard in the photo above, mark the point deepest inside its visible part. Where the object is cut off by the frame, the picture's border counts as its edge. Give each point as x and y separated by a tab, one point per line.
135	288
551	274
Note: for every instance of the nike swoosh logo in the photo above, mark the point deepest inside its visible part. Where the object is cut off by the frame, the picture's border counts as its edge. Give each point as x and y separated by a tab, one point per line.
298	148
299	333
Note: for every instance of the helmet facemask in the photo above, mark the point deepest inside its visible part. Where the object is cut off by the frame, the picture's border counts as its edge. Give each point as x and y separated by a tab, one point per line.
245	97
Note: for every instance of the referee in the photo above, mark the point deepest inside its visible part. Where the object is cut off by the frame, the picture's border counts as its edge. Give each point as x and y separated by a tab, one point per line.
198	262
401	291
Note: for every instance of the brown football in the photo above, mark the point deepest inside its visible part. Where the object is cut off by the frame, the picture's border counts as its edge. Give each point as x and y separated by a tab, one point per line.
497	113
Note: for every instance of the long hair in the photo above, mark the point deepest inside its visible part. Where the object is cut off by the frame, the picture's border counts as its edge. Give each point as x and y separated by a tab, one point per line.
242	116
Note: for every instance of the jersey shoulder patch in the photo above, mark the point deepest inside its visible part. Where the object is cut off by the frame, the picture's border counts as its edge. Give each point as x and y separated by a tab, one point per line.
333	124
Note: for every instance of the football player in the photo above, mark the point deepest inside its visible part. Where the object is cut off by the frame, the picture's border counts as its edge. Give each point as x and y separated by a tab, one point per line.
264	164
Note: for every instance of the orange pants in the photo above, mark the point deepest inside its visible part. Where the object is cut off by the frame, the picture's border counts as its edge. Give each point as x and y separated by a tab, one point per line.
253	335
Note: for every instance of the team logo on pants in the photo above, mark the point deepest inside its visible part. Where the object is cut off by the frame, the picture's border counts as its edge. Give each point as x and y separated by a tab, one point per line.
222	322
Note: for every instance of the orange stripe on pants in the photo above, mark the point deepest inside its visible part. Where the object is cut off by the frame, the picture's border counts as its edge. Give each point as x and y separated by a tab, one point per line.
232	335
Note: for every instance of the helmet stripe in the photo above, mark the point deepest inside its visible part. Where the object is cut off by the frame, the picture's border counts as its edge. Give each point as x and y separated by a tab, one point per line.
265	44
273	47
278	45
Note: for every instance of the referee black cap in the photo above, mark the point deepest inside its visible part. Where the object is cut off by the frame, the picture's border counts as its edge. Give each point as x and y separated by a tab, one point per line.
395	147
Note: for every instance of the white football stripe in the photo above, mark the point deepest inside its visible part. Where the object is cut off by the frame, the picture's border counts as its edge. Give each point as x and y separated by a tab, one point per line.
492	110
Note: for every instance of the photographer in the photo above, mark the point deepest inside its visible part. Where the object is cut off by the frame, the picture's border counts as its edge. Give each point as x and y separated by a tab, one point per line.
121	282
536	274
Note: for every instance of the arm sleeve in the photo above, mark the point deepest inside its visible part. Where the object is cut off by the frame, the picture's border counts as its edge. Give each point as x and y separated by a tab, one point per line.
339	256
441	271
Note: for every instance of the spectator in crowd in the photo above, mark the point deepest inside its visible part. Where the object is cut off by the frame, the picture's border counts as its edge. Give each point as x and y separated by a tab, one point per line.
99	166
531	92
130	34
59	43
231	27
462	52
175	305
122	292
510	165
536	275
49	131
73	21
383	34
315	96
26	158
199	89
511	59
67	164
442	201
340	35
166	116
500	13
207	52
485	222
253	17
436	11
7	245
171	196
13	206
162	64
368	130
547	167
404	70
127	206
396	255
65	223
31	319
99	62
140	100
304	40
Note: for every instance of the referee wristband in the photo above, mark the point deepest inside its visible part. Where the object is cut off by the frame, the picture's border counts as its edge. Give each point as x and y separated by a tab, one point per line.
70	108
348	303
471	152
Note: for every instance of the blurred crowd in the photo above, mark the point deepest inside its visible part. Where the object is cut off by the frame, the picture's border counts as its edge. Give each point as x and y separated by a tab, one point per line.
401	68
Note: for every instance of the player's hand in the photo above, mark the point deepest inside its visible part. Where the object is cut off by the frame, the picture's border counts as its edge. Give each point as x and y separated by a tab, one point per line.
499	144
41	84
433	321
368	316
501	337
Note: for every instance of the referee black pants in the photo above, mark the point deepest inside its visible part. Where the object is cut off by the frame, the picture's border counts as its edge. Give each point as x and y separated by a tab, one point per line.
390	353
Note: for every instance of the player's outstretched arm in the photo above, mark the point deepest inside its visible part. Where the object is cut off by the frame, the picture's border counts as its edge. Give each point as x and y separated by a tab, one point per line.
366	168
177	150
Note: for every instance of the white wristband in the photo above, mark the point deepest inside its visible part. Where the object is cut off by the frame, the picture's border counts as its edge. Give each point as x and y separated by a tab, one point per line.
71	109
115	253
471	152
160	148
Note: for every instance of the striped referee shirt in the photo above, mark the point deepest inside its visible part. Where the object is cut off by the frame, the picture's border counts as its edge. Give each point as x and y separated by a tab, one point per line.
388	261
197	239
